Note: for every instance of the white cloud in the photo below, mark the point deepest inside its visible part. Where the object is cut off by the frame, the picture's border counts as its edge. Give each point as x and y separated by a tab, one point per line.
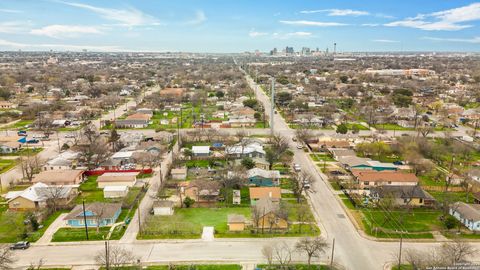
200	18
14	27
299	34
474	40
254	33
337	12
4	10
61	47
126	17
62	31
447	20
385	41
370	24
313	23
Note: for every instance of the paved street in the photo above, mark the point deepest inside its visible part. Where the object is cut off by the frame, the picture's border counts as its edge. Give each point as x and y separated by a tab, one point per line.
351	249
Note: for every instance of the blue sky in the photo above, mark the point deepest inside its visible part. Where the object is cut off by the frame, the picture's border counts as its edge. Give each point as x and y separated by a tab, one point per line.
242	25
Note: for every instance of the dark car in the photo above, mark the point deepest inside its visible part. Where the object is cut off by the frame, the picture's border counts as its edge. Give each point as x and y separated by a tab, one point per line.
20	245
33	141
336	173
22	133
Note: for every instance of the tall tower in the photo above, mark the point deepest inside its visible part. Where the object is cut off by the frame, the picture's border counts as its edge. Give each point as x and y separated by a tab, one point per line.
334	48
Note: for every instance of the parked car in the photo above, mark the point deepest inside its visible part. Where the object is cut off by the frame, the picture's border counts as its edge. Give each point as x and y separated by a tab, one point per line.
20	245
70	135
336	173
299	146
22	133
296	167
33	141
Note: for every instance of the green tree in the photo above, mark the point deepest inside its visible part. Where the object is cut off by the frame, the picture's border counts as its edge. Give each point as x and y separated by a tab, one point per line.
248	163
283	98
342	129
252	103
344	78
188	202
220	94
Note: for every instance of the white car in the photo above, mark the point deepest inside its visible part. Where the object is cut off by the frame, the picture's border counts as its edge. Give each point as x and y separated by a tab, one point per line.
70	135
297	167
299	146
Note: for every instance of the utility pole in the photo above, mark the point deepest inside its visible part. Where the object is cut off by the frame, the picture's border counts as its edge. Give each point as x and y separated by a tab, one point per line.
139	218
400	253
85	218
333	253
107	257
272	112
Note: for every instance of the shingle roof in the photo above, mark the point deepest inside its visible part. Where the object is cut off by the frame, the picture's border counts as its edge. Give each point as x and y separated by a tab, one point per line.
385	176
105	210
404	192
234	218
468	211
55	176
265	192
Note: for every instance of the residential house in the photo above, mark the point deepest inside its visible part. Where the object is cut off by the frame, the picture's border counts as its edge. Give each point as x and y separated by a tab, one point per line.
163	208
403	195
201	151
236	223
39	195
59	177
96	214
137	120
251	149
6	105
110	192
467	214
128	179
367	179
202	191
272	193
179	173
341	152
263	178
476	197
354	162
267	215
9	147
123	156
64	161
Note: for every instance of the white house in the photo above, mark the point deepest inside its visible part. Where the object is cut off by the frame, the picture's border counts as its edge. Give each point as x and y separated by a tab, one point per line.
467	214
115	191
179	173
201	151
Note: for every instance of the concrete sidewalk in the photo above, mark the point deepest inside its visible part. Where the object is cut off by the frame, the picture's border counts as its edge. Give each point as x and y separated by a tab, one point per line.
47	236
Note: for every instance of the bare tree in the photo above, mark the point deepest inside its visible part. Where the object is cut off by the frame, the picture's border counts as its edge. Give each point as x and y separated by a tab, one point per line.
457	251
301	182
282	253
6	257
30	165
36	266
115	257
53	195
312	247
267	252
303	134
93	148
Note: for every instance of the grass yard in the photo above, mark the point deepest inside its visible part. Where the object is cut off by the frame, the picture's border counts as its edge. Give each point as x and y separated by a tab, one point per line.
12	228
418	224
78	234
24	152
452	196
189	222
7	164
351	126
321	157
91	193
19	125
391	127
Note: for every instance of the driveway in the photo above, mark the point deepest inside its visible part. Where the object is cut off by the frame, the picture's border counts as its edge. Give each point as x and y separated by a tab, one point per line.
47	236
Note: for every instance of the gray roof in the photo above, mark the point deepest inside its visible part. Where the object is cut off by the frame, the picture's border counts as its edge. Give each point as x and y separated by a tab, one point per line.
163	204
404	192
467	211
234	218
105	210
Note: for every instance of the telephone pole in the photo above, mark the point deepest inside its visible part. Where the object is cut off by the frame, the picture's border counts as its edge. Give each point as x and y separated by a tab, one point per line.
333	252
400	253
272	112
85	218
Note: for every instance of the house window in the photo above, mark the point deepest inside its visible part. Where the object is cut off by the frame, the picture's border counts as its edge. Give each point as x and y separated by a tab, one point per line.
420	200
366	183
405	200
389	182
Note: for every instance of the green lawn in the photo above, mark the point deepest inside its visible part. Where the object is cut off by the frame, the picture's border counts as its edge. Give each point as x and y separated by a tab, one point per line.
12	228
391	127
321	157
350	126
190	222
19	125
78	234
418	224
91	193
7	164
452	196
24	152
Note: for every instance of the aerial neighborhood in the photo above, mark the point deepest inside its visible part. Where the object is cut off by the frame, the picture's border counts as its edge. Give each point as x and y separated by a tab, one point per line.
282	151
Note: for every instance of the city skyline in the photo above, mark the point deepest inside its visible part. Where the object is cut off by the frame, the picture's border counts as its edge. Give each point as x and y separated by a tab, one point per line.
215	26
